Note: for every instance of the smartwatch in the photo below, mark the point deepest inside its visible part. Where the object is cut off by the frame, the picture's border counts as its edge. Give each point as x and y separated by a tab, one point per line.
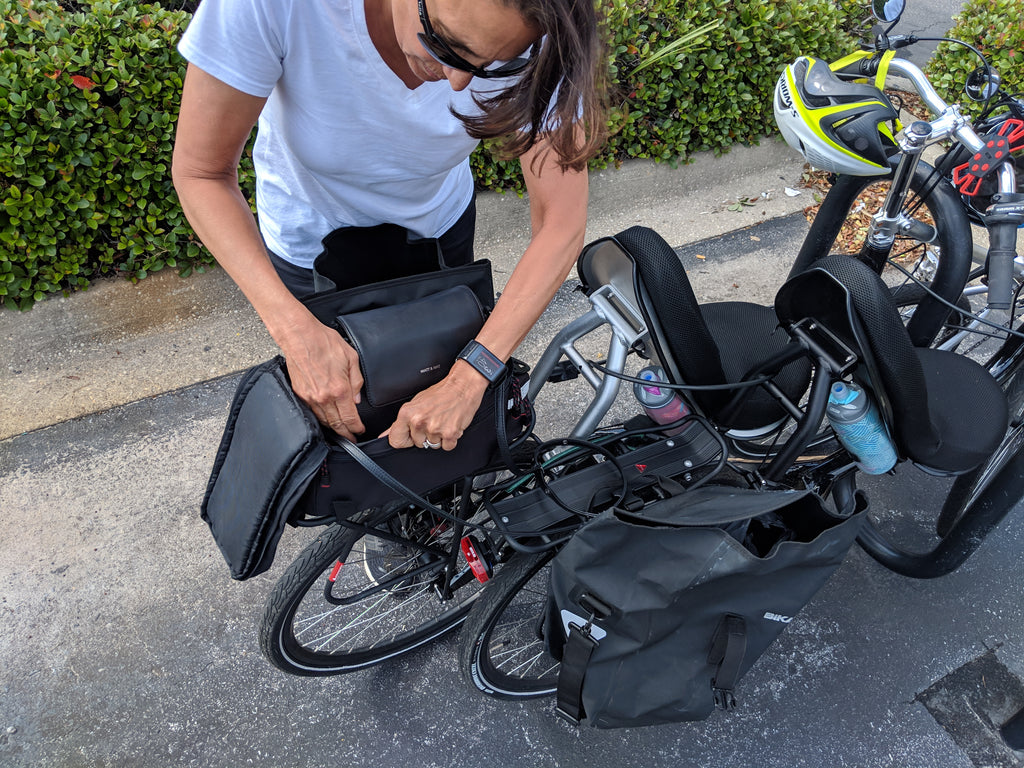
485	362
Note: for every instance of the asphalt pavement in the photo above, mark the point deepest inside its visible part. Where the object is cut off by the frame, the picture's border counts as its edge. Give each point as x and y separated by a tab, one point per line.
125	643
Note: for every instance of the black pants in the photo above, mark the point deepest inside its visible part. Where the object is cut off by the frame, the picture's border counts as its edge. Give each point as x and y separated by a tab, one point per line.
456	246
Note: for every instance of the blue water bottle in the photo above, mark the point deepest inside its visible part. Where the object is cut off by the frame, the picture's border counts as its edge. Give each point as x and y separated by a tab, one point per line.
663	405
858	425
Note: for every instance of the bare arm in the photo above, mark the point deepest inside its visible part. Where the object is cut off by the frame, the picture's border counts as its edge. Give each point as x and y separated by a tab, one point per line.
558	217
214	123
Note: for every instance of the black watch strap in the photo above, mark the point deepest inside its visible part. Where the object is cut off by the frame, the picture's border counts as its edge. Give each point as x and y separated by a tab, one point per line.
485	361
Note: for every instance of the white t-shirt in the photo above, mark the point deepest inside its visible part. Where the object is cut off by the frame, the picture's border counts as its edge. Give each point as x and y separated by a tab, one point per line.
342	141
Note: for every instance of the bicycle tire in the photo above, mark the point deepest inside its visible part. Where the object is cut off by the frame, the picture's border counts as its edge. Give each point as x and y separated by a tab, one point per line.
908	297
501	652
948	257
303	633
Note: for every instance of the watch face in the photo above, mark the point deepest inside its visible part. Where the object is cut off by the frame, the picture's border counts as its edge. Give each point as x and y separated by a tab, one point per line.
477	355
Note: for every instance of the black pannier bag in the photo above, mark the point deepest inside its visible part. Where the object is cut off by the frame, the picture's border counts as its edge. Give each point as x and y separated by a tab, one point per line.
271	448
276	465
656	614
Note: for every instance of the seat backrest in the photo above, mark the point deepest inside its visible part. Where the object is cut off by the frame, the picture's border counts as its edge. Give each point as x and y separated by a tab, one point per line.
645	270
850	299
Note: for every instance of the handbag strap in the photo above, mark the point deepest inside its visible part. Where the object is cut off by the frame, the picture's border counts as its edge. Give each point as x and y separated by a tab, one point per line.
396	485
502	393
386	478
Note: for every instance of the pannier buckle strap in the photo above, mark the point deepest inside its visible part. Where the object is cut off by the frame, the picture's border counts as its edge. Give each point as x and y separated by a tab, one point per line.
579	647
728	647
724	700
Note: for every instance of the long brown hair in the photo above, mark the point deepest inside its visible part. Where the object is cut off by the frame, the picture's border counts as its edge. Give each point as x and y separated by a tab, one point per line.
562	89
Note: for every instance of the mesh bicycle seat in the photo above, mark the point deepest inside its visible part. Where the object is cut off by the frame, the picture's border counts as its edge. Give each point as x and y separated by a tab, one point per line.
709	344
944	411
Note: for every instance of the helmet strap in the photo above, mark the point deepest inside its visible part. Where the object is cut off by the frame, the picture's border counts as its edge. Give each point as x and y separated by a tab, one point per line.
880	76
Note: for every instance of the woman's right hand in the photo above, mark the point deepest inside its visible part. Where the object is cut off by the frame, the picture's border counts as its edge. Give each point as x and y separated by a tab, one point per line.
324	371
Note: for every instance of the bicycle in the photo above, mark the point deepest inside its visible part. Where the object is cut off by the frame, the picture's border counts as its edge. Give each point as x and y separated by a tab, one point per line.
639	290
384	581
922	229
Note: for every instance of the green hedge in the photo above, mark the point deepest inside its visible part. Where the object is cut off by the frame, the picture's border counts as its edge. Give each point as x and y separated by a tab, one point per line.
992	26
87	108
88	100
719	93
714	95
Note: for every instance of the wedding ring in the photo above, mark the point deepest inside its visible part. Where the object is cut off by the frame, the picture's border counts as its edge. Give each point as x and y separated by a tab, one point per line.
428	444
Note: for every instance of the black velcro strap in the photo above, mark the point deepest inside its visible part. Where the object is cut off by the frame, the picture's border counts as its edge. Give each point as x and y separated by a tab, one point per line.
728	646
575	658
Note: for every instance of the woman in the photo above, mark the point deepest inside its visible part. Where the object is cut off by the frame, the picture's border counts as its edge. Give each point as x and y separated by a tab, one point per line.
368	111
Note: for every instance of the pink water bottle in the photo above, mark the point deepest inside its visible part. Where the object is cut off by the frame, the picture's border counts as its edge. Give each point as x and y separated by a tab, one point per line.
663	405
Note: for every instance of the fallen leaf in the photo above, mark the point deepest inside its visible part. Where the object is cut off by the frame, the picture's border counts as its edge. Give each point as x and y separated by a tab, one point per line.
700	256
755	238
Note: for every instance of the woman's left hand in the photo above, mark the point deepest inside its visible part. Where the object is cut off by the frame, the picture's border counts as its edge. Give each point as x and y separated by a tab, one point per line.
558	218
440	414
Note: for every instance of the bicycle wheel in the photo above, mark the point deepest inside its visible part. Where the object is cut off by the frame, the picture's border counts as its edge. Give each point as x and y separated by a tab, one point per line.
502	652
968	487
353	599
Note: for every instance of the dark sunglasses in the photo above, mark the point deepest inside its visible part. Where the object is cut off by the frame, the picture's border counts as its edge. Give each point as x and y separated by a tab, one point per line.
441	52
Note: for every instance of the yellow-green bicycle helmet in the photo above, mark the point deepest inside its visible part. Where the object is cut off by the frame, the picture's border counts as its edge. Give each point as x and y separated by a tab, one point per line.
837	125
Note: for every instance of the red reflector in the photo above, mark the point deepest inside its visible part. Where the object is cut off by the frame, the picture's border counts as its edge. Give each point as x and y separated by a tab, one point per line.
476	563
335	571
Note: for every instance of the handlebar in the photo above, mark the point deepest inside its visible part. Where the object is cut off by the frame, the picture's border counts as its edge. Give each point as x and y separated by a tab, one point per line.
948	122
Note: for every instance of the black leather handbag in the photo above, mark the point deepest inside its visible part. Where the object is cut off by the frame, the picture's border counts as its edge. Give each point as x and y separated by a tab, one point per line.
407	331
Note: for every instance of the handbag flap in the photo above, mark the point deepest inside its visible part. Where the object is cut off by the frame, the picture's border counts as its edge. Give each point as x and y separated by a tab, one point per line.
327	306
271	448
405	348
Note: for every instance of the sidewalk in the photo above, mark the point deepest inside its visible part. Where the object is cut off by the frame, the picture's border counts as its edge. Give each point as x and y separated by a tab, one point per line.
118	343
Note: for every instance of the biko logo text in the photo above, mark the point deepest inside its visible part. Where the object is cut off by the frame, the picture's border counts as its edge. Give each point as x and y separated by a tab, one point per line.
777	617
